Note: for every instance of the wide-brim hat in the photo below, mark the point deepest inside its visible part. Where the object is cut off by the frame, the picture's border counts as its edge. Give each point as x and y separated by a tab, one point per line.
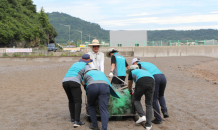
132	67
111	50
95	42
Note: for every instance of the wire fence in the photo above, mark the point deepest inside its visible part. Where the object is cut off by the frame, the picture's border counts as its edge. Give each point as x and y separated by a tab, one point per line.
162	43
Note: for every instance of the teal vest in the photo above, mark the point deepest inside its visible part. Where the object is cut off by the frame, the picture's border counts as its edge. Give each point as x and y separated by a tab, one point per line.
95	76
151	68
120	67
138	73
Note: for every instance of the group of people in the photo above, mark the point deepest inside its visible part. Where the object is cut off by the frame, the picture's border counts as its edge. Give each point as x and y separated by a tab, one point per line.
89	72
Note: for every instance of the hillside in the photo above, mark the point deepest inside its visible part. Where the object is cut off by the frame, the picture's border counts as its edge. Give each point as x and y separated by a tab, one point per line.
56	19
22	26
201	34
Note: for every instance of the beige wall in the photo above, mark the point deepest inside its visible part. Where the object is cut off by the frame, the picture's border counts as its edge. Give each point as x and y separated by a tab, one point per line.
211	51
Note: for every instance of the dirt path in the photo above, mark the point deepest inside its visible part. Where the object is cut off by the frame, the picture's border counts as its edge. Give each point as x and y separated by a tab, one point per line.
32	97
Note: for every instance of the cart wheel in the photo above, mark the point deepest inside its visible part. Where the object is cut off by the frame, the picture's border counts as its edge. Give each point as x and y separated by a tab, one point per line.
88	119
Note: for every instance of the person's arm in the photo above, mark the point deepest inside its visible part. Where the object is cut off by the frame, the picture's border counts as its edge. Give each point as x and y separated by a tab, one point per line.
127	66
130	81
113	62
130	85
102	63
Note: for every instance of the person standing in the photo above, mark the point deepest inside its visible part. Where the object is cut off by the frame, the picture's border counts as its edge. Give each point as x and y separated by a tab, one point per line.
96	55
72	86
160	85
144	85
118	66
98	88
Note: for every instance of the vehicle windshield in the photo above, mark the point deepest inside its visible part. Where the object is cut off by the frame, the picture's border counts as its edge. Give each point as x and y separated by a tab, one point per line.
51	45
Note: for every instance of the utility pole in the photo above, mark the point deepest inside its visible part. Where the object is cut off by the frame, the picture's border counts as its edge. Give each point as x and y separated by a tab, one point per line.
69	30
89	38
81	35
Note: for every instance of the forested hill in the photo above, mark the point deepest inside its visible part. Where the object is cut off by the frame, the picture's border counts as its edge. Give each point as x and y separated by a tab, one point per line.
92	29
22	26
201	34
56	19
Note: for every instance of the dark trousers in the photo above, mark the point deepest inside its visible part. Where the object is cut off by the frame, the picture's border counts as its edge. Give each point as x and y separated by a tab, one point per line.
74	94
160	85
100	92
117	81
146	89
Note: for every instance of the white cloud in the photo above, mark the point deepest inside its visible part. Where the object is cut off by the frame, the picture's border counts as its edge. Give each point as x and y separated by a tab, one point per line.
214	12
138	14
187	27
164	20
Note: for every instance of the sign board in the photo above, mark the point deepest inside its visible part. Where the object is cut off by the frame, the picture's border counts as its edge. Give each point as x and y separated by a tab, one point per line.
19	50
76	49
82	46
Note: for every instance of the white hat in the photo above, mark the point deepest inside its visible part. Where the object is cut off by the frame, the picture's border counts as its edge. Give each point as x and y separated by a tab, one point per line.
95	42
111	50
132	67
135	60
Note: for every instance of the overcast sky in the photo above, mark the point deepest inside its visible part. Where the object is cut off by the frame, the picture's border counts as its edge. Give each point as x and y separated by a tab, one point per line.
139	14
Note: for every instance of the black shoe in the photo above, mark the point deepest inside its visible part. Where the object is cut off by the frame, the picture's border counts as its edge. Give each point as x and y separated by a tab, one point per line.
72	120
156	121
77	124
93	127
165	114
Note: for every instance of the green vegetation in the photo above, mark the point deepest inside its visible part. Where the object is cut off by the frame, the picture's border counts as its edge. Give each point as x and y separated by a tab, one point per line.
19	22
56	19
201	34
16	55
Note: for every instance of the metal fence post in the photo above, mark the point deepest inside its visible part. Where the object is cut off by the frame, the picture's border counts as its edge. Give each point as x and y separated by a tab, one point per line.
213	41
178	42
161	43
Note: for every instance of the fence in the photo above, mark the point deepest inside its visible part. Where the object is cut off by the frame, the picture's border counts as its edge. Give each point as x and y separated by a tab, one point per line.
163	43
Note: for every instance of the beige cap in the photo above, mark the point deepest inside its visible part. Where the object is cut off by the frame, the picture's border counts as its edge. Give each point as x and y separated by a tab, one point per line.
110	50
132	67
95	42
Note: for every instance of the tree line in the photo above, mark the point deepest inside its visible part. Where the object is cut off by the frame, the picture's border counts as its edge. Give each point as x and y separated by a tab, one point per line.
20	23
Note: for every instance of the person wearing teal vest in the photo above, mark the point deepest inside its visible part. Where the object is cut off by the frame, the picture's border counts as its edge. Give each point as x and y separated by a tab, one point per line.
71	84
160	85
98	88
144	85
118	66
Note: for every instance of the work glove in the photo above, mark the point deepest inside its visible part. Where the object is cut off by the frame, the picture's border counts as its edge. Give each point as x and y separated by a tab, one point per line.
111	74
131	93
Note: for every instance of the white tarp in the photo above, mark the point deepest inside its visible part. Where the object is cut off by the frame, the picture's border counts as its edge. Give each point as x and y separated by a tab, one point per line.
19	50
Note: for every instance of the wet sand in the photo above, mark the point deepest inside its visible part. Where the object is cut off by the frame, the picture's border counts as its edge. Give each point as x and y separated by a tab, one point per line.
32	97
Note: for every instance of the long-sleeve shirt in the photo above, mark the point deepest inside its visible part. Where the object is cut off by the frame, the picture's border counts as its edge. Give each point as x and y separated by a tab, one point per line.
98	60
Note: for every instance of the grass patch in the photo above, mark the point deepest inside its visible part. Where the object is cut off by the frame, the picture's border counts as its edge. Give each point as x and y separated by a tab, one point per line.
16	55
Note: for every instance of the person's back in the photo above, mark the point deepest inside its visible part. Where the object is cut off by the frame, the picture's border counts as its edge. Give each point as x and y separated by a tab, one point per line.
151	68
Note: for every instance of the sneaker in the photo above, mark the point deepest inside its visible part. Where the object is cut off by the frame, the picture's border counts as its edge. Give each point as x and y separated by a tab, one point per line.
141	119
93	127
165	114
156	121
148	128
77	124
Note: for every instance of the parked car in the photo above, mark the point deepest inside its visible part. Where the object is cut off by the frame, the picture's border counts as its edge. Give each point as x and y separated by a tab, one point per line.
51	47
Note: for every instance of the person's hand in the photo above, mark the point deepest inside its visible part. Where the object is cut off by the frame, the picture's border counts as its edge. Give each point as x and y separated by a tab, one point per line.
110	75
131	93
